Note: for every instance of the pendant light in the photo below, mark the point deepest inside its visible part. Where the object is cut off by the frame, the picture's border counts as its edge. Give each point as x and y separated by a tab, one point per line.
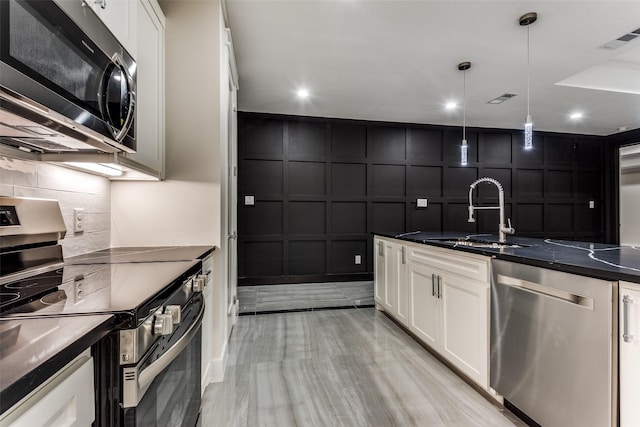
464	148
526	20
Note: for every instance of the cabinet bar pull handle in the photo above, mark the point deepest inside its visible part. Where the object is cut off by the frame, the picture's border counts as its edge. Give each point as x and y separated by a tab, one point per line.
439	286
433	285
404	255
626	300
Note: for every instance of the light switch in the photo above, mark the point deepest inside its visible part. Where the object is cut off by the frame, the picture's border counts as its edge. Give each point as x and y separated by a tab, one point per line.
592	204
422	203
249	200
358	259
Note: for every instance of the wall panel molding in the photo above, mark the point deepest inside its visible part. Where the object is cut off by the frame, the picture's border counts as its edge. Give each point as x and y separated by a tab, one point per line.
322	186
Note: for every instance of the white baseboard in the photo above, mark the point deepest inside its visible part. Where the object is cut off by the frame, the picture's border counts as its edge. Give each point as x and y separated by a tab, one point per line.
217	366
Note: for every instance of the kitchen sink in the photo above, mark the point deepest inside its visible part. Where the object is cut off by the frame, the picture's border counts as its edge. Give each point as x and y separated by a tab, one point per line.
478	243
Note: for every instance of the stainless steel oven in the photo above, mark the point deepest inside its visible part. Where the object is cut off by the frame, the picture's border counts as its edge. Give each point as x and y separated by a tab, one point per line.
163	386
148	367
61	68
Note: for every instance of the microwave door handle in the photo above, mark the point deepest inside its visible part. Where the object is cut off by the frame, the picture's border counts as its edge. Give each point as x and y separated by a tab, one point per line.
131	91
147	375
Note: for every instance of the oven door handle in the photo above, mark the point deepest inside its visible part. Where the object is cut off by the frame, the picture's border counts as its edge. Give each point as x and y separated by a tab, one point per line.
147	376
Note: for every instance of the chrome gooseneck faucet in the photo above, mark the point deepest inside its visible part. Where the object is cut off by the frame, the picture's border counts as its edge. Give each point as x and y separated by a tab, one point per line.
503	230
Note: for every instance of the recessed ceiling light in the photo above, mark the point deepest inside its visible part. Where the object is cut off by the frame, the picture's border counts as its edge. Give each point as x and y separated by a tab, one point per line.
302	93
451	105
576	116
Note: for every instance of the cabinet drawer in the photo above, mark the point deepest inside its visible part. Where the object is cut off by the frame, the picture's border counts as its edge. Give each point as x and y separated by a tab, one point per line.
468	265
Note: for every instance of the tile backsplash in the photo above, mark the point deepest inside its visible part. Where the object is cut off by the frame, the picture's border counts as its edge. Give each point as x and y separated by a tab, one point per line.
72	189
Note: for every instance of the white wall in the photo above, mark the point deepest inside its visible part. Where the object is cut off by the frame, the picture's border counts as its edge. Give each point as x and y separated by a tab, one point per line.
72	189
186	208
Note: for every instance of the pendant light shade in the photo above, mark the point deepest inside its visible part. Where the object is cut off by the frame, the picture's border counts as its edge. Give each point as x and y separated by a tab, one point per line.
464	147
526	20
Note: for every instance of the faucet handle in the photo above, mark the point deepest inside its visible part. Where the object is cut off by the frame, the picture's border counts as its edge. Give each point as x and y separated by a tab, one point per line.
509	229
471	218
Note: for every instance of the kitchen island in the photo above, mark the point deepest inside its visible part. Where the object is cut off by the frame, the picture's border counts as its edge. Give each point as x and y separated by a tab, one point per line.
517	317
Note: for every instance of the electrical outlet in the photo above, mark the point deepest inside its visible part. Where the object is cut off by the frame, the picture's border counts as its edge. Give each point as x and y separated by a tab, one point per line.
422	203
592	204
358	259
249	200
78	220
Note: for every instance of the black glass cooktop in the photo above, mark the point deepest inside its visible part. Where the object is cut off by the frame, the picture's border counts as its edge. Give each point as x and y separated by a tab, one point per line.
28	289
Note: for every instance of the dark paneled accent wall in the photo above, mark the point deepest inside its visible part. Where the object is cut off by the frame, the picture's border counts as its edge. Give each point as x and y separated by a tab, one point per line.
322	186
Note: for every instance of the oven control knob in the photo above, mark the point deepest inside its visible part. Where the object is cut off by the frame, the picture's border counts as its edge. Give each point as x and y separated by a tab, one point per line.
204	278
176	313
198	284
162	324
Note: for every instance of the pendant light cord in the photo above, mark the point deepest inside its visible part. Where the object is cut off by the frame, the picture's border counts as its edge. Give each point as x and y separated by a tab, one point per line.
464	104
528	70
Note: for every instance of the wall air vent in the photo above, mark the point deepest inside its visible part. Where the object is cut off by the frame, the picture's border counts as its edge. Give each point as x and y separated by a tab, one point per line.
501	98
621	41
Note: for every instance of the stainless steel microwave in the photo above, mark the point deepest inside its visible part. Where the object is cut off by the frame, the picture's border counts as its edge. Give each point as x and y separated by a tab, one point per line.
66	83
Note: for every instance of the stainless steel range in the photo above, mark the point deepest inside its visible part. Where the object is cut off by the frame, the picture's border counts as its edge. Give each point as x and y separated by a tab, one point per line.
148	367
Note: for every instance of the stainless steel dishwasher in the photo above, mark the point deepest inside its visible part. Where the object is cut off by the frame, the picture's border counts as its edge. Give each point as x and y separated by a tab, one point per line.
553	348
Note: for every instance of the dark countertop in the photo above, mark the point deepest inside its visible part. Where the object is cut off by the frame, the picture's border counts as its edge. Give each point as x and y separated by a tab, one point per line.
32	350
142	254
602	261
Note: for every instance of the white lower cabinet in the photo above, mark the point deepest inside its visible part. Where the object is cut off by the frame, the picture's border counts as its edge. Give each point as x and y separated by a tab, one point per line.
390	278
442	296
207	322
464	331
66	399
629	352
424	317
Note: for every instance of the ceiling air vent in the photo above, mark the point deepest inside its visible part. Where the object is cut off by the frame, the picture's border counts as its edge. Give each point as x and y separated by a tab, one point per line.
501	98
621	41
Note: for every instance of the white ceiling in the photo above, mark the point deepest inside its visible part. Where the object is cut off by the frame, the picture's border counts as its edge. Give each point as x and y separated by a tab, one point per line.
396	60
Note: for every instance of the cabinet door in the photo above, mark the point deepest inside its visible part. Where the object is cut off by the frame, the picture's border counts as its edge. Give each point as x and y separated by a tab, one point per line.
150	89
119	16
392	262
66	399
379	272
465	324
424	313
629	348
402	287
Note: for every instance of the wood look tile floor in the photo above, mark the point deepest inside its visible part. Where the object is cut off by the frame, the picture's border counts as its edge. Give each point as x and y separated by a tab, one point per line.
352	367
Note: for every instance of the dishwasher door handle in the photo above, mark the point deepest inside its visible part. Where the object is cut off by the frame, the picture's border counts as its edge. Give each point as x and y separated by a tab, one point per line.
626	336
546	291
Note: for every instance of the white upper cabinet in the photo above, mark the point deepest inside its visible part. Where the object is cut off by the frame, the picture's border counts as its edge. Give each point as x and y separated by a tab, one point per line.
120	18
150	89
